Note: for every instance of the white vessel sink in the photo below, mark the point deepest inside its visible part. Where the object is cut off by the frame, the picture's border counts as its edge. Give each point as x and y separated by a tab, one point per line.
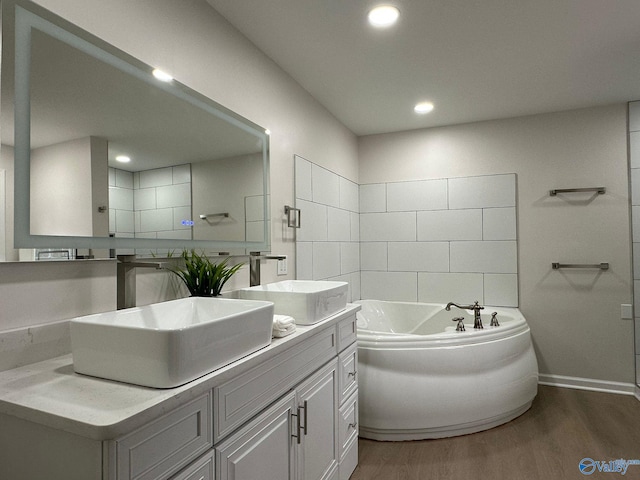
171	343
306	301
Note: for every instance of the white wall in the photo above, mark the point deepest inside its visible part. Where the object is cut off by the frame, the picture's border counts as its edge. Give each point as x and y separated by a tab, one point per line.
574	315
62	172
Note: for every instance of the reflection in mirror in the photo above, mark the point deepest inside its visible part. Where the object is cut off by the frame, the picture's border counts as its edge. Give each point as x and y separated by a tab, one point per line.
3	196
80	105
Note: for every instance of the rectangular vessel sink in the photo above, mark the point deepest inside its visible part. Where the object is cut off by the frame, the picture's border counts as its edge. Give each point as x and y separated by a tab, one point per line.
306	301
171	343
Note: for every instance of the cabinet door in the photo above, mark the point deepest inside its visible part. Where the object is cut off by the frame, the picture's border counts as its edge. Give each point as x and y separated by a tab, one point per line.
317	400
264	449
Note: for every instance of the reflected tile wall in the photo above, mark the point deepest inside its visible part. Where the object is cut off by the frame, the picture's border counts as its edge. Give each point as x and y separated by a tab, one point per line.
150	204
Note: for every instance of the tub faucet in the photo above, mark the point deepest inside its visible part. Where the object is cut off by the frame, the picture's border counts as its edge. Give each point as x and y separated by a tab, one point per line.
477	321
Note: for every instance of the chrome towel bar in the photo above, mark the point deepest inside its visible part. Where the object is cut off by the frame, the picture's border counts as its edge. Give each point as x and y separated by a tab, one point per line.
601	266
207	215
598	190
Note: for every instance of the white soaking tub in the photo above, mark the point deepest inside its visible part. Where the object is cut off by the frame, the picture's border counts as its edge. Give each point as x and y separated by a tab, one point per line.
419	378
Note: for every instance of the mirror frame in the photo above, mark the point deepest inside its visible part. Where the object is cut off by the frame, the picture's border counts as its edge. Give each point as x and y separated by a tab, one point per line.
28	16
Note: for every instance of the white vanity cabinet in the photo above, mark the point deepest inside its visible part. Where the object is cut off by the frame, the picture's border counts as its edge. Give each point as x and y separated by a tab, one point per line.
312	450
288	411
294	438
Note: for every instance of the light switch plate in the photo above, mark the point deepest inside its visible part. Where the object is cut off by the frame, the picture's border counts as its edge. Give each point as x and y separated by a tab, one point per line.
626	311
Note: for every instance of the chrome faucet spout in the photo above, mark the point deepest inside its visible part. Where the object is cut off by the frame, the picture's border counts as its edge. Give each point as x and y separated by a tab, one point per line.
126	279
254	266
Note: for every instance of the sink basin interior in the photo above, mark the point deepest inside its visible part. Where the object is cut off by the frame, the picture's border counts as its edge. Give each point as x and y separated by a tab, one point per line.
171	343
306	301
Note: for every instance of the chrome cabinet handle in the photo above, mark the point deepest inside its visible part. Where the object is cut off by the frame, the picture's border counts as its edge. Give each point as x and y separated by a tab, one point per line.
304	407
299	427
297	434
352	425
352	374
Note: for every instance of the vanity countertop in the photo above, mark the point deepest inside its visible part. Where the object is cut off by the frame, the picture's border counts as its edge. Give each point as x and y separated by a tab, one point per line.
52	394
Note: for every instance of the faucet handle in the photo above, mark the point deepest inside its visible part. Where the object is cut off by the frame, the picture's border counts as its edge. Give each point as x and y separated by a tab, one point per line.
460	326
494	320
476	305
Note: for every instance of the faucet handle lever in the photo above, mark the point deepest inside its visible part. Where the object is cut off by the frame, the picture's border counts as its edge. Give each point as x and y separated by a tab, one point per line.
494	320
460	326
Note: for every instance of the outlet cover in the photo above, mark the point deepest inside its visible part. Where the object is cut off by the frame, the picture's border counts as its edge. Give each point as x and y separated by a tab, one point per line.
626	311
282	266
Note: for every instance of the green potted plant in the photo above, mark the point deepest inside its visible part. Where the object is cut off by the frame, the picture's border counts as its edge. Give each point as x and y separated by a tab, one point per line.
202	277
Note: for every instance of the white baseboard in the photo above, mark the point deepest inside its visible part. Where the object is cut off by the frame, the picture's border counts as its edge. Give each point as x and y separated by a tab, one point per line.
589	384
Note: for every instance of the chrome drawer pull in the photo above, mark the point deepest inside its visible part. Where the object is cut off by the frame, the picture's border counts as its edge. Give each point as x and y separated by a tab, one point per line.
353	425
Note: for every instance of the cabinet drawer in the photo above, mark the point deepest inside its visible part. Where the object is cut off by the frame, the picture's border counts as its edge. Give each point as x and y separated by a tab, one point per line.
166	445
347	332
348	373
244	396
348	424
202	469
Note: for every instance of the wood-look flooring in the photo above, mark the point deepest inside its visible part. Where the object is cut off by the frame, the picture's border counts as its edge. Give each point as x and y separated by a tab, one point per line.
547	442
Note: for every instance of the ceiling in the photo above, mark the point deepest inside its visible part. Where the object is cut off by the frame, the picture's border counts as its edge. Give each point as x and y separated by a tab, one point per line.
474	59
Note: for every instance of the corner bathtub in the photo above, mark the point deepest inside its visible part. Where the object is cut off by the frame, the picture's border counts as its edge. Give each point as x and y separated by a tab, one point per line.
419	378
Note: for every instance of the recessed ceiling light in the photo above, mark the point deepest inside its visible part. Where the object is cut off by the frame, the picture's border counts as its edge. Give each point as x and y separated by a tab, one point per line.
162	76
423	107
123	159
383	16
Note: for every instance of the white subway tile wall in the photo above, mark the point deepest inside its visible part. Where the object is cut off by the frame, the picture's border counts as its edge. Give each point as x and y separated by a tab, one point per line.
634	164
412	196
458	235
327	243
437	241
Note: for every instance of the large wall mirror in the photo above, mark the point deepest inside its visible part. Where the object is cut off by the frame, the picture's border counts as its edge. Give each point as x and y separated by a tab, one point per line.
73	106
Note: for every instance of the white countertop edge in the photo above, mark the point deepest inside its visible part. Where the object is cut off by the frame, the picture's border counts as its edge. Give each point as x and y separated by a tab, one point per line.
50	393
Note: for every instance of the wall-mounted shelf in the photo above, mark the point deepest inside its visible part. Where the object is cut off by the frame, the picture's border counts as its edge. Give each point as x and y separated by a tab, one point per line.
598	190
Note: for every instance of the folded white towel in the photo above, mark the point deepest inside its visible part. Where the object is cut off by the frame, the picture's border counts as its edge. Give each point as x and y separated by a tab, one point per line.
283	325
